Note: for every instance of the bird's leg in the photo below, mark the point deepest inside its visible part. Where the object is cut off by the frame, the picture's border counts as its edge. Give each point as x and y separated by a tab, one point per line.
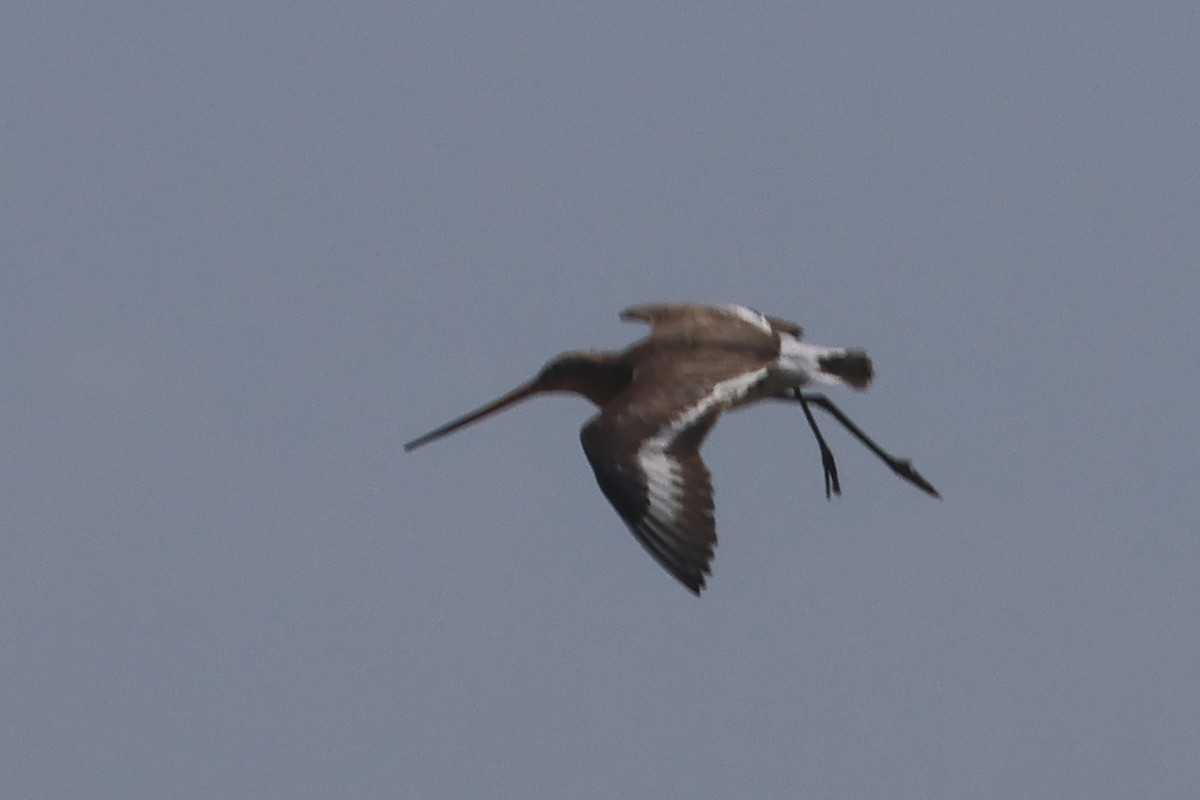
901	466
832	486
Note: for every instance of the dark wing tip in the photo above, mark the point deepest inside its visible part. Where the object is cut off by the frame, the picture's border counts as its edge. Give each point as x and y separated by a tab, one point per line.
669	542
688	562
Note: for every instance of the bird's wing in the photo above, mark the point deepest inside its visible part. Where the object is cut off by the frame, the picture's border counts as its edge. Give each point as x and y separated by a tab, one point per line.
783	326
645	450
669	318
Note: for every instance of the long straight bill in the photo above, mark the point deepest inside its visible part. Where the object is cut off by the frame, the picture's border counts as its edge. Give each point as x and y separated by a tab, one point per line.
515	396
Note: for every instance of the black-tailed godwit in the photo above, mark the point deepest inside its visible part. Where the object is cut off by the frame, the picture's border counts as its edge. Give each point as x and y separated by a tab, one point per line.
661	396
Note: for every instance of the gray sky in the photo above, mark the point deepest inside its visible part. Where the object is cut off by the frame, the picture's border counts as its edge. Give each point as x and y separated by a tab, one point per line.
250	249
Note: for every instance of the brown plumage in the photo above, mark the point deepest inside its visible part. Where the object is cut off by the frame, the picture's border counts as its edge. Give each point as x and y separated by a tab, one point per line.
659	399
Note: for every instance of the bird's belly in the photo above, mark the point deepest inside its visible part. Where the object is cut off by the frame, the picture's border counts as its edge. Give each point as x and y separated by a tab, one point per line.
776	383
780	380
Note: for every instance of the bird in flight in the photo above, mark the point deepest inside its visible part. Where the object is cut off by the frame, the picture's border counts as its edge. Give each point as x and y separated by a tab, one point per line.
660	397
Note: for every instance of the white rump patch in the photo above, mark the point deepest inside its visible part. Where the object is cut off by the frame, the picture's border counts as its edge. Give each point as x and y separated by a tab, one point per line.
800	363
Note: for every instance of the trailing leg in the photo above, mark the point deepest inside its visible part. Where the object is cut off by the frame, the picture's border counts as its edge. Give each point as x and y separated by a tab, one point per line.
901	466
832	486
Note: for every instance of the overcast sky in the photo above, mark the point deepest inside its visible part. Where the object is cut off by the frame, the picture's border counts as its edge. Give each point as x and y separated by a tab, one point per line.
249	249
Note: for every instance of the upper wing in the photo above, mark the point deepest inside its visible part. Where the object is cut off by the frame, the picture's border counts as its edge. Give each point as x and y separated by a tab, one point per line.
645	450
679	317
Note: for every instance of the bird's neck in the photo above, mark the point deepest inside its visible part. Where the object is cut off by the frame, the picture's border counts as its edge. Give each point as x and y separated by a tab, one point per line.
602	380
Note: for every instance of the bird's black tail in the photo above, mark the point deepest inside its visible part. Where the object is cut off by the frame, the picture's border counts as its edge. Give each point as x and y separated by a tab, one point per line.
851	367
